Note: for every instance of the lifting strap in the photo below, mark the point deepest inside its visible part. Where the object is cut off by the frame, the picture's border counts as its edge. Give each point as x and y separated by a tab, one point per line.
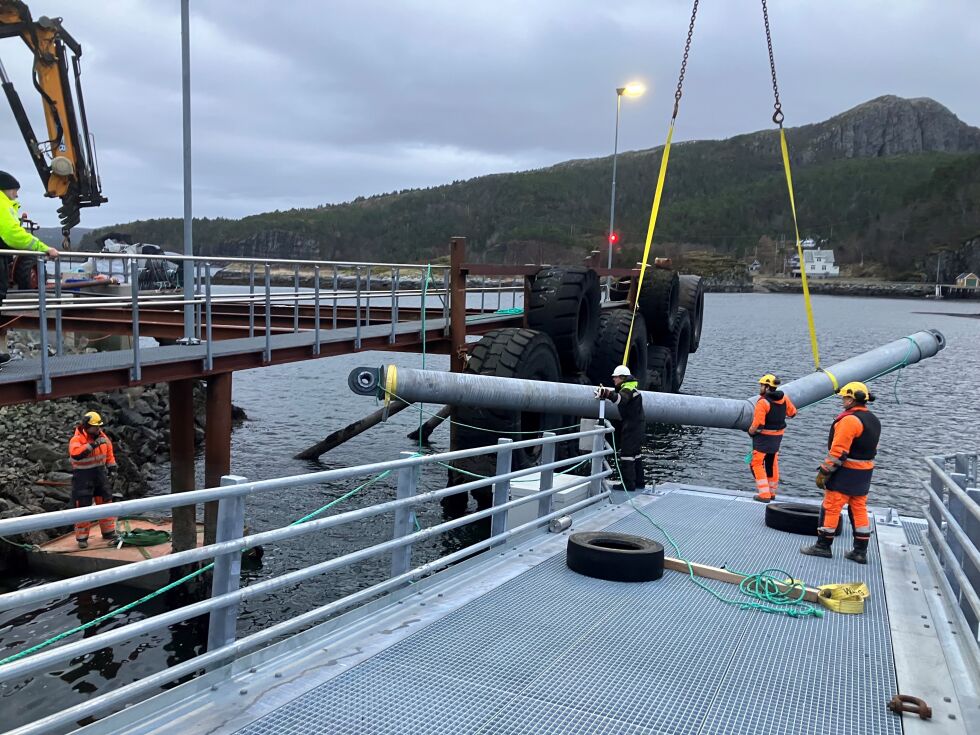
777	117
655	207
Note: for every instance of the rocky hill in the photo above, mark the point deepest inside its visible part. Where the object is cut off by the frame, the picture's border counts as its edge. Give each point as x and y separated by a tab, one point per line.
886	182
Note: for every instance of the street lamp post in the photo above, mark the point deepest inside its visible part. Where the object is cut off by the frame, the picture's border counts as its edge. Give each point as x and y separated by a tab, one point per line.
633	89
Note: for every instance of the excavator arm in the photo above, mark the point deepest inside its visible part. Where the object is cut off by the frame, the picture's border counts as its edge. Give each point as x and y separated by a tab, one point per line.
65	161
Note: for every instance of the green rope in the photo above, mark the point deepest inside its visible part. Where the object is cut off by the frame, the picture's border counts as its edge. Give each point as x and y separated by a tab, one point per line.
25	547
764	586
186	578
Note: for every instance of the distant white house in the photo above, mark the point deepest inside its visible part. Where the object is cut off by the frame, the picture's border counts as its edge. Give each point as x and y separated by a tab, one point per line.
818	264
968	280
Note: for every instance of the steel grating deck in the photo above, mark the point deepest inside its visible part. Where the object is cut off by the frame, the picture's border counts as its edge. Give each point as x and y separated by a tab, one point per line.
551	651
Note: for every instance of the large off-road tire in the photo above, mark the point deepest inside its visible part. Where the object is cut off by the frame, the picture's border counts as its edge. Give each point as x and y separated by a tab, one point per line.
614	328
25	273
681	346
509	353
564	304
658	301
617	557
800	518
691	297
660	368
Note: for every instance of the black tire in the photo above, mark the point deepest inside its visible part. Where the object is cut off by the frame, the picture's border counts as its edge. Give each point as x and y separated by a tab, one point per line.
614	329
617	557
658	301
620	289
25	273
660	368
680	345
509	353
796	518
564	304
691	297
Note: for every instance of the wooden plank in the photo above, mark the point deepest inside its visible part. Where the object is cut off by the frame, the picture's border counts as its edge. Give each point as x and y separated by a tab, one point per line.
724	575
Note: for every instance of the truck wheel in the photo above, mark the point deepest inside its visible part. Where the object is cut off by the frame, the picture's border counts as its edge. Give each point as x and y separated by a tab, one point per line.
564	304
691	297
25	273
617	557
660	368
658	301
614	330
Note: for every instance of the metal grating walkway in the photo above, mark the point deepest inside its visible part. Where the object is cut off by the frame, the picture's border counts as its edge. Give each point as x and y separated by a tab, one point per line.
554	652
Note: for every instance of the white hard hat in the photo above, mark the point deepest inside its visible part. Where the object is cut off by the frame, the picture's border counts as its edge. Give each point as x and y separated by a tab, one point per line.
621	371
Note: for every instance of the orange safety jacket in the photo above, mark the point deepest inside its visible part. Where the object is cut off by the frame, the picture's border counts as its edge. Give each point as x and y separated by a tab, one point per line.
770	414
853	440
85	454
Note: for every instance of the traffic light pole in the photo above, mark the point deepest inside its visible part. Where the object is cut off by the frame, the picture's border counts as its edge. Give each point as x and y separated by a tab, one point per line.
612	196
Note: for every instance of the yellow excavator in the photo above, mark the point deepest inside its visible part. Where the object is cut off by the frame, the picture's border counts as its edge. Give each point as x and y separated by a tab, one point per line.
66	161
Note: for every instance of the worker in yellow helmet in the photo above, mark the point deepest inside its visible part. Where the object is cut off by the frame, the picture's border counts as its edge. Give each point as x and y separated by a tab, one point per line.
13	237
93	464
845	475
768	425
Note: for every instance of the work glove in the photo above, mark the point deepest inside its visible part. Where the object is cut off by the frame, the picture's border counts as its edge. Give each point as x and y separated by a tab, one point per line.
604	394
821	478
100	441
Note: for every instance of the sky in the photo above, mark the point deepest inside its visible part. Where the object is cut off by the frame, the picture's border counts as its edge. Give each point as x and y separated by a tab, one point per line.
308	102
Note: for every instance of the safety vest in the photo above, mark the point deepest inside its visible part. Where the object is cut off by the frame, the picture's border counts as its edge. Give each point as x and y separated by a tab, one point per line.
864	448
776	416
85	455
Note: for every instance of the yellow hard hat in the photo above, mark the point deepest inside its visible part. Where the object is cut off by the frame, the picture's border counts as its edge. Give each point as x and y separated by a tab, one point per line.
92	419
769	379
858	391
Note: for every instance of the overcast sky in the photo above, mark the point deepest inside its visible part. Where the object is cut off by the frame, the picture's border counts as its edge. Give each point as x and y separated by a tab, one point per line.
304	102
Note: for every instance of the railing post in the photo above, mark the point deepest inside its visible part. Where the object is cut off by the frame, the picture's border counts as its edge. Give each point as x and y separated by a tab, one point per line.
457	304
268	313
227	567
208	354
501	488
393	311
598	443
134	288
316	310
408	480
445	303
59	335
545	502
295	299
42	321
367	319
336	291
251	299
357	309
197	299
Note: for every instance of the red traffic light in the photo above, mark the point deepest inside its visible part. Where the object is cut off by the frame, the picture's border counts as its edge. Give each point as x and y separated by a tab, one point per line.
613	238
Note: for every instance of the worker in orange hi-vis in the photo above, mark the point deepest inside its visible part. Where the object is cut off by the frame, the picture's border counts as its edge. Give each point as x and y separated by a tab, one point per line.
768	424
93	464
845	476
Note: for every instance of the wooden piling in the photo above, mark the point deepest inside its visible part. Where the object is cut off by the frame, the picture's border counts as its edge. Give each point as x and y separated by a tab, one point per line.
181	395
217	444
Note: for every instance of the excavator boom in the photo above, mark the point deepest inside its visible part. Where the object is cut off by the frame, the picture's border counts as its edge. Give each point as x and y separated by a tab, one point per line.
65	161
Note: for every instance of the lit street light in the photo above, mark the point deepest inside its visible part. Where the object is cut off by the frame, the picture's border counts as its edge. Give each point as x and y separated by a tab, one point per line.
633	89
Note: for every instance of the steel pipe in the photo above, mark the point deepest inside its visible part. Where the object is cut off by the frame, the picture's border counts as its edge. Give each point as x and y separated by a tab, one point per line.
429	386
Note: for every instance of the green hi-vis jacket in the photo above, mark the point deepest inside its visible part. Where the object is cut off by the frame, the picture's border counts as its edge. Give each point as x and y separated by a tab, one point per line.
13	235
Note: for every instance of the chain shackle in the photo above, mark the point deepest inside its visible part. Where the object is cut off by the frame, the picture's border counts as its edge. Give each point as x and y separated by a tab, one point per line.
687	51
777	116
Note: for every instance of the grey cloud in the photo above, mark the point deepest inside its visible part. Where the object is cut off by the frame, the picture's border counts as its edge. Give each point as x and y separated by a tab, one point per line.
305	102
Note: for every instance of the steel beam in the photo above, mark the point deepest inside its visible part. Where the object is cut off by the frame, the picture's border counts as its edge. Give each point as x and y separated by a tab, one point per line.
509	394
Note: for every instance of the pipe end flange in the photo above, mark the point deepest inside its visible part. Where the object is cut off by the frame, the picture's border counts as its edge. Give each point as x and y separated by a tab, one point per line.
365	381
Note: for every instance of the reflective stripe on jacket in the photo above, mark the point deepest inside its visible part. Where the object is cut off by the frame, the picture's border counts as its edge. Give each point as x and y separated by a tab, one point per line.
13	235
84	454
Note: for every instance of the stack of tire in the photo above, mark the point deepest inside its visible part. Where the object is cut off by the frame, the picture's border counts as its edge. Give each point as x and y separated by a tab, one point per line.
559	346
672	306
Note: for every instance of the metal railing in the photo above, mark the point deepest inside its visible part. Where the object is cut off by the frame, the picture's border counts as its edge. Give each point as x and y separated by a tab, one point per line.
332	285
953	538
226	595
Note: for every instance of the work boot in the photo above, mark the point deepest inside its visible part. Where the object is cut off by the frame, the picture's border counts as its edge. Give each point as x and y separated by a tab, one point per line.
860	551
822	547
767	498
82	543
4	358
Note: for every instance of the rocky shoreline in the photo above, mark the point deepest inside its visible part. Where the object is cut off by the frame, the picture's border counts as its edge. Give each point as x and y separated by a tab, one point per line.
35	472
838	287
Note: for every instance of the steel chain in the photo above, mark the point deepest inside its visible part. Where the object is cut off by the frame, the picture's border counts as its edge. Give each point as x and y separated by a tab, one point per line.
687	50
777	116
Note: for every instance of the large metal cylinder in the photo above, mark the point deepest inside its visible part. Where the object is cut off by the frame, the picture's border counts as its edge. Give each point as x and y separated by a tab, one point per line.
463	389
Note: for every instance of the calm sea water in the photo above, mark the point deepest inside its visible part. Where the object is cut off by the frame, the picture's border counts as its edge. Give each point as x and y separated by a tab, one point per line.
927	408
